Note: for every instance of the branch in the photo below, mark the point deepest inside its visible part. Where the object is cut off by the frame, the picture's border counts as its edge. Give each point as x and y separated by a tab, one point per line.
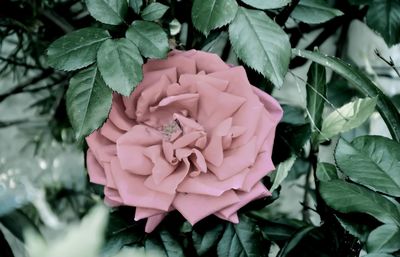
14	62
389	62
20	88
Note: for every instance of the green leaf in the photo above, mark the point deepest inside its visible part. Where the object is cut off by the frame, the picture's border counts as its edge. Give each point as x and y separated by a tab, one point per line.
171	246
348	198
384	239
217	44
136	5
77	49
88	101
261	44
241	240
120	65
355	227
204	242
211	14
84	239
154	11
110	12
294	241
378	255
326	171
316	93
371	160
150	38
263	4
385	106
282	171
293	115
347	117
314	11
384	17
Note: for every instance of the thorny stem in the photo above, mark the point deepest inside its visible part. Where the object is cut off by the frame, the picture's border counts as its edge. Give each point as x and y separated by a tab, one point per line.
389	62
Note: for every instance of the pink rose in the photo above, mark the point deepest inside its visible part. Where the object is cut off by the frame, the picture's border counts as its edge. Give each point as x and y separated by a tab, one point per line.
194	136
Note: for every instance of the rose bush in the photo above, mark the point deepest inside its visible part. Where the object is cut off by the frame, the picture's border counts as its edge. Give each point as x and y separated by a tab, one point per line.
194	136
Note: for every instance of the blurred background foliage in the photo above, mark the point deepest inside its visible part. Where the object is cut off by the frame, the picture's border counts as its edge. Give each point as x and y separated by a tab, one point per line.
321	205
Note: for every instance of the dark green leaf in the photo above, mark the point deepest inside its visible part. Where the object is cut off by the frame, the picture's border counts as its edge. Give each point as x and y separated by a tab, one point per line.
120	65
373	161
326	171
339	92
120	233
149	37
154	11
290	140
241	240
261	44
136	5
384	17
316	93
211	14
294	241
110	12
88	101
204	242
356	226
384	239
279	230
347	117
293	115
385	106
348	198
77	49
314	11
359	2
171	246
263	4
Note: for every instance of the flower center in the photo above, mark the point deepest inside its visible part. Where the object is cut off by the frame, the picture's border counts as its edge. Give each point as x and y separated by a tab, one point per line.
171	130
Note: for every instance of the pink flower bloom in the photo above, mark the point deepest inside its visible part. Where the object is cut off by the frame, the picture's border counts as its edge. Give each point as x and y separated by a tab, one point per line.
194	136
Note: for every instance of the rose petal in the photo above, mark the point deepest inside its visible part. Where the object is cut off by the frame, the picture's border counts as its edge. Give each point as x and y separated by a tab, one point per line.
262	166
236	160
190	80
110	131
183	64
196	207
148	81
169	184
209	184
161	168
102	148
273	107
112	197
153	221
142	213
96	172
133	191
118	116
209	62
215	106
258	191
